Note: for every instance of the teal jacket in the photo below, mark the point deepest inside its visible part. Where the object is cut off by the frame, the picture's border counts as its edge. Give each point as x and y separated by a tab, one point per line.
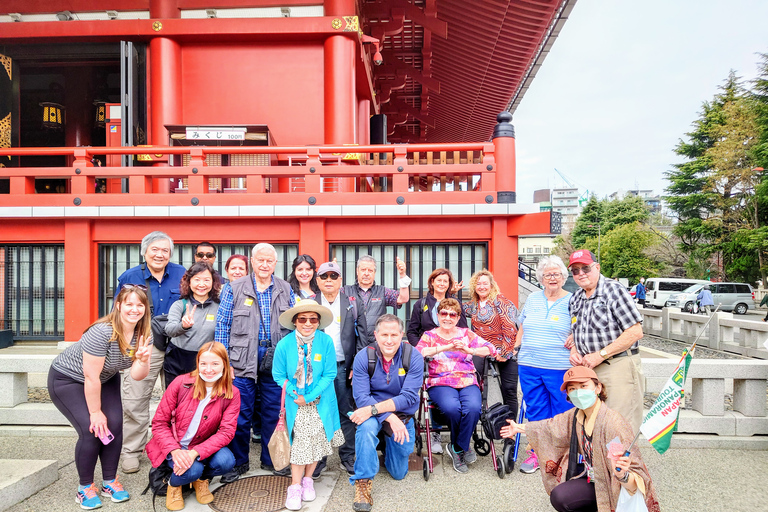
323	374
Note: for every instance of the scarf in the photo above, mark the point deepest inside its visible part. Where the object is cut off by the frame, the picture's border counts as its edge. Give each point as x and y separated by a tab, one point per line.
304	379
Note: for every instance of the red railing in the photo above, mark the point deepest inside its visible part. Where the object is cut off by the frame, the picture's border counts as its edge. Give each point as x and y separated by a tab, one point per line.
382	174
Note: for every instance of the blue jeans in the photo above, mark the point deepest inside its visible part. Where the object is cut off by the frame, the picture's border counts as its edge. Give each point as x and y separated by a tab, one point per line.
241	443
395	455
217	464
461	407
541	392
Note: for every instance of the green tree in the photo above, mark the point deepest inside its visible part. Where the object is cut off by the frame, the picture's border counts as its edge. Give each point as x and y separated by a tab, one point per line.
588	223
624	252
629	210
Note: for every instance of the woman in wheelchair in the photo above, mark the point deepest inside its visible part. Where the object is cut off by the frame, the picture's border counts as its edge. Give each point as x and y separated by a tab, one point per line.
451	382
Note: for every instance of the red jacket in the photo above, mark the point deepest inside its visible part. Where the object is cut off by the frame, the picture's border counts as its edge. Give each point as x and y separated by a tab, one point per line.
174	414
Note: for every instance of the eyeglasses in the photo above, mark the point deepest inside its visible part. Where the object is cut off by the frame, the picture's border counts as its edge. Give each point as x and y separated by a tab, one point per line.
312	320
451	314
206	255
329	275
582	270
552	276
142	287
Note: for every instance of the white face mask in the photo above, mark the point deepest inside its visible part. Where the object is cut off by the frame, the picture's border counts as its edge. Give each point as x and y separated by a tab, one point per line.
211	379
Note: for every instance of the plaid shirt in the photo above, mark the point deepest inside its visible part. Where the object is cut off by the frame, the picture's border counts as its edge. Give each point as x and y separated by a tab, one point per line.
598	320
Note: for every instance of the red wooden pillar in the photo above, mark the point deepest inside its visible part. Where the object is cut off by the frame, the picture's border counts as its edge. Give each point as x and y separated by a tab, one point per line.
312	239
165	94
80	283
504	140
79	109
503	258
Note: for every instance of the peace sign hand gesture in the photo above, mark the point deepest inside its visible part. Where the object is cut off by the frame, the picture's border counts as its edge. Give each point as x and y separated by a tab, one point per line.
143	351
188	319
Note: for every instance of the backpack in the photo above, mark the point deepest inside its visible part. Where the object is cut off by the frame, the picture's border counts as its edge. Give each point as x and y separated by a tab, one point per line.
373	356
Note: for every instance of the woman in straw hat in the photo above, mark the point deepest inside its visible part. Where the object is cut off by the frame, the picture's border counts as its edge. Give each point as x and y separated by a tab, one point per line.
305	361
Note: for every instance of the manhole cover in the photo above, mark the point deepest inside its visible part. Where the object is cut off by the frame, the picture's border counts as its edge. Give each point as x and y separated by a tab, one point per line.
254	494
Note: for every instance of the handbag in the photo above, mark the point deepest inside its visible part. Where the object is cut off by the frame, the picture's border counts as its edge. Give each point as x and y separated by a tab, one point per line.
279	445
494	418
159	338
631	503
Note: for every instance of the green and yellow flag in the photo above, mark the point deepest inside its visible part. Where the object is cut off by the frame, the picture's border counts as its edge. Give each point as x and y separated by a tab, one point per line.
661	420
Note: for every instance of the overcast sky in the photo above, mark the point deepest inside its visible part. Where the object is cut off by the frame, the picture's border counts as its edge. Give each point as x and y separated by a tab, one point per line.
623	83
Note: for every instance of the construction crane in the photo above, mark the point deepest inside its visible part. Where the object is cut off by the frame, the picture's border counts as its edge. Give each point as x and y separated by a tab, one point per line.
583	198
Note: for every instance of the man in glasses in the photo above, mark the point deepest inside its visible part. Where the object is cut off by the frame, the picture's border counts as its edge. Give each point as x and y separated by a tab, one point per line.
348	331
374	297
205	251
247	324
606	331
162	278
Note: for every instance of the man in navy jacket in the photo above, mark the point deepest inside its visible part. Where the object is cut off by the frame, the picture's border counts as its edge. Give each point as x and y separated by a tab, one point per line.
387	398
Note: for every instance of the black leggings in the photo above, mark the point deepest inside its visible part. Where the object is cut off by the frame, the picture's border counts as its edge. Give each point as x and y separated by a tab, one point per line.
508	374
68	396
574	496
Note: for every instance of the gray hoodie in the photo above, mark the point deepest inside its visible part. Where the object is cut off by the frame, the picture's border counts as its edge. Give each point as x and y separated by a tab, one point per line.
200	333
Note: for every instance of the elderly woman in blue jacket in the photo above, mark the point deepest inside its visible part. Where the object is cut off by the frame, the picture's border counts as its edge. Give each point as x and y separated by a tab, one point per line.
305	360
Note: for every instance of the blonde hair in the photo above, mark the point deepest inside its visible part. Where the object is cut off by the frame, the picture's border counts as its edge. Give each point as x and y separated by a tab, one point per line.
223	386
473	296
143	327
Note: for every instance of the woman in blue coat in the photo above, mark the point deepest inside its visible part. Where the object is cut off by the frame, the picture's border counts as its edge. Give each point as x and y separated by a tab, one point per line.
306	359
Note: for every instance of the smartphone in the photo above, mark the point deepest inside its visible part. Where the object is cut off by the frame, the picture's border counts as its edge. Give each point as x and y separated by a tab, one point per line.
107	438
349	414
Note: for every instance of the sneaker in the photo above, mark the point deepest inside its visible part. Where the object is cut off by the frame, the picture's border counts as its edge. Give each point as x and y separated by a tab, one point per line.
228	478
114	490
256	438
363	501
88	498
286	471
130	464
293	501
470	457
349	465
436	443
459	463
321	465
307	489
531	464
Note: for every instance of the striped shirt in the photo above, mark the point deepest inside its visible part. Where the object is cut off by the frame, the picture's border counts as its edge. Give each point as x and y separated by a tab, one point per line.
598	320
95	341
545	328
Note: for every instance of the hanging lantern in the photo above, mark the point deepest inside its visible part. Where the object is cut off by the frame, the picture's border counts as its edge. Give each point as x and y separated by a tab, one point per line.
53	116
101	114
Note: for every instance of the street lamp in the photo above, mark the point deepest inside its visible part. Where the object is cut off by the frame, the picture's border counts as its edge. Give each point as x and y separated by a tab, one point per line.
598	242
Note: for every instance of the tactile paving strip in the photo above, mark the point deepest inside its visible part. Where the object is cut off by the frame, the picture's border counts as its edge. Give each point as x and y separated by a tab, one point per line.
253	494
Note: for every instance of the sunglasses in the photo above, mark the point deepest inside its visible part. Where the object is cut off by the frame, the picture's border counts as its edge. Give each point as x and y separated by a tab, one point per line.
207	255
142	287
312	320
329	275
451	314
582	270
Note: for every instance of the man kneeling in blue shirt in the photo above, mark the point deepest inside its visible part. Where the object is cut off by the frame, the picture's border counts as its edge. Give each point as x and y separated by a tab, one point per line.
386	392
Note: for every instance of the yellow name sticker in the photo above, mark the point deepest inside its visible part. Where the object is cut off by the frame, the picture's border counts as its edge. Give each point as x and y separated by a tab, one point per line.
338	319
249	301
401	371
426	308
318	357
210	318
573	320
555	318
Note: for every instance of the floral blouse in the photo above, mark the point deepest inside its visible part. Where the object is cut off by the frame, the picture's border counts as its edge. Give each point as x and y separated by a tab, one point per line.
452	368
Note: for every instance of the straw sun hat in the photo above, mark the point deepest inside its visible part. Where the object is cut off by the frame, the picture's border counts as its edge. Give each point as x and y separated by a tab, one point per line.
304	306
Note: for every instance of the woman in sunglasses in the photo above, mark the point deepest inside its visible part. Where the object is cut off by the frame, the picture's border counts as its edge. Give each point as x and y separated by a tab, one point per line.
305	365
451	381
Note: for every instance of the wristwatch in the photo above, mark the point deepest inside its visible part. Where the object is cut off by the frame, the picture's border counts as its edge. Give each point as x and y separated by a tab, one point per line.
603	354
374	410
625	478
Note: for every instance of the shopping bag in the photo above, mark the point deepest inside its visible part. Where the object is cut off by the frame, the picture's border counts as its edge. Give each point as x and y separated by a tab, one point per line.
279	445
631	503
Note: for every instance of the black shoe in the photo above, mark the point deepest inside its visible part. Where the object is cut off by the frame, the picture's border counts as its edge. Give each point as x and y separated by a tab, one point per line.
232	476
286	471
267	467
349	465
256	438
319	469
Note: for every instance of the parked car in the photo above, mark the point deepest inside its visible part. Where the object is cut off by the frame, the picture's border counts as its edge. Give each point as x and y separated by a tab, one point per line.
736	297
660	288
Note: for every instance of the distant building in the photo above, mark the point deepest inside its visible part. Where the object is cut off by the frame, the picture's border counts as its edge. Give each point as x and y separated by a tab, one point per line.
653	201
566	202
531	249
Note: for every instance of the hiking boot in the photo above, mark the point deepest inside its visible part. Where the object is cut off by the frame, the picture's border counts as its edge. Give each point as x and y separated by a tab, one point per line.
88	498
470	457
363	501
307	489
531	464
202	493
321	465
130	464
228	478
114	490
293	501
436	443
173	499
457	457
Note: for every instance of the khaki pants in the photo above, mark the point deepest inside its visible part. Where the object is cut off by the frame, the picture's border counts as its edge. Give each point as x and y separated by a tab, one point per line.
136	395
624	384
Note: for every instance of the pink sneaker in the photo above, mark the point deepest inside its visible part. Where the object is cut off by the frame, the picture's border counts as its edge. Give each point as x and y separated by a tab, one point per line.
307	489
293	501
531	464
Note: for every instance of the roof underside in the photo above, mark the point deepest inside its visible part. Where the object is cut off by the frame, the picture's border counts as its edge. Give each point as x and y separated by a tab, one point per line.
450	89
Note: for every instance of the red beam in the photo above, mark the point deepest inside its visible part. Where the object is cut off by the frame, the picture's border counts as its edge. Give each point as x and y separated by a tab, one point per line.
529	224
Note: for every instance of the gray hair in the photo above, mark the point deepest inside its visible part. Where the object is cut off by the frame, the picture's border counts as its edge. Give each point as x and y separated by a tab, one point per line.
387	318
152	238
366	258
264	247
548	262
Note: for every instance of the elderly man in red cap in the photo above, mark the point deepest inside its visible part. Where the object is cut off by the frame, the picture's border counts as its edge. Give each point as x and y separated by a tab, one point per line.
606	333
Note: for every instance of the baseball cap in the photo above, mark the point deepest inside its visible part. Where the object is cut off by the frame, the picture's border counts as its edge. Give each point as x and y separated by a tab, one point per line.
329	266
585	257
578	374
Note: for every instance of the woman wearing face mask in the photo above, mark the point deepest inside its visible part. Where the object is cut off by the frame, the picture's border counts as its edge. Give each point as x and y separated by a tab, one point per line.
302	278
194	423
580	471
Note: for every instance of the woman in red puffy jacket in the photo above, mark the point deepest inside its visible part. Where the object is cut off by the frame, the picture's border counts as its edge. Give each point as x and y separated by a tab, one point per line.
194	423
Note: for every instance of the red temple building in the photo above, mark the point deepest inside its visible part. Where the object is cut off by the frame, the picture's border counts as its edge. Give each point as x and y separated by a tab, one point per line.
330	127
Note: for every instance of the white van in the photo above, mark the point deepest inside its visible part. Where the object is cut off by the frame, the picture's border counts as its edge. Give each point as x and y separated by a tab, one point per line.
660	288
